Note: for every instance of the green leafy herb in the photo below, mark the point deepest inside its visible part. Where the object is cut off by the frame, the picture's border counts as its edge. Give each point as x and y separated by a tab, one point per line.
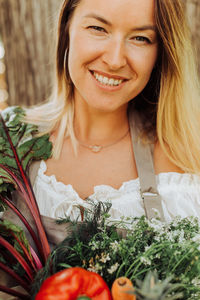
96	245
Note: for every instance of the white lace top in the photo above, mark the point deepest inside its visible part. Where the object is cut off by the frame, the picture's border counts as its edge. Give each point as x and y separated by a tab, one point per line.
180	196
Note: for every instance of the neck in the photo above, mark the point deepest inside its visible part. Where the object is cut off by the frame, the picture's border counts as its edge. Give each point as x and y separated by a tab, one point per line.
93	126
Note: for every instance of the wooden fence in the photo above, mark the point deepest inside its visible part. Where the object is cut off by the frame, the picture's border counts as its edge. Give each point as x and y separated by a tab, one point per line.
27	30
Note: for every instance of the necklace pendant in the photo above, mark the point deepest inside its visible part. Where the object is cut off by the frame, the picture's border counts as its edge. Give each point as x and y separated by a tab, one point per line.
95	148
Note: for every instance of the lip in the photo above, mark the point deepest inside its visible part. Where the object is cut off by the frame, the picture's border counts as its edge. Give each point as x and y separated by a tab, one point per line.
110	75
107	87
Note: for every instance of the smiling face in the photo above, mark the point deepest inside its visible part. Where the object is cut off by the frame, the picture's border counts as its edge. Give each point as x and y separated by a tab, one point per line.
112	51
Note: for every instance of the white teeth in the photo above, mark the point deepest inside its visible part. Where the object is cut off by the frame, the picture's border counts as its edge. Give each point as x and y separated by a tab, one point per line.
116	82
106	80
111	81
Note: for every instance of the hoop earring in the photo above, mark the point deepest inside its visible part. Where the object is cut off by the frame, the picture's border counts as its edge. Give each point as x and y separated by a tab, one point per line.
64	65
67	78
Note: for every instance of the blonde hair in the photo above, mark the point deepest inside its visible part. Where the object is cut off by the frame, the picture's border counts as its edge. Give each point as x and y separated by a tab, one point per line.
169	104
178	114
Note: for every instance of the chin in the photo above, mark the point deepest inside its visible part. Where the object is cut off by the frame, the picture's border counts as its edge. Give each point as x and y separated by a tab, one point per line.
108	107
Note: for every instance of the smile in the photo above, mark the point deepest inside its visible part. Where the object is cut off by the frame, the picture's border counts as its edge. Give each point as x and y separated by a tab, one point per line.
109	81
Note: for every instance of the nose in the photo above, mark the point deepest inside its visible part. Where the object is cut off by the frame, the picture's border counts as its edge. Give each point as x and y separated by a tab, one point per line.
115	54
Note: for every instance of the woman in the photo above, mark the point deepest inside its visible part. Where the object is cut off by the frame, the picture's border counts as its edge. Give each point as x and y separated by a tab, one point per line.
125	104
125	74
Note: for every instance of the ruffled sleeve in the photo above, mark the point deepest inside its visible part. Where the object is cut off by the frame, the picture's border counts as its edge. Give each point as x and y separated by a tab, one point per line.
180	194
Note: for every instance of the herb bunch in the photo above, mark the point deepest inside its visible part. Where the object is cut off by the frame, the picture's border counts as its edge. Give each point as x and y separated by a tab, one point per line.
171	249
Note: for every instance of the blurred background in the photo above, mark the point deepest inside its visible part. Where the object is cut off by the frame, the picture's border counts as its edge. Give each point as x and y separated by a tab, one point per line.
27	41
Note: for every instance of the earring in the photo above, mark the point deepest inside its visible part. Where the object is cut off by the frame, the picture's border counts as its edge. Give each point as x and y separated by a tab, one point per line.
68	80
64	65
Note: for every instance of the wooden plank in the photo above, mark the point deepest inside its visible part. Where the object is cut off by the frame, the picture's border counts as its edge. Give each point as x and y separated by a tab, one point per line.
26	29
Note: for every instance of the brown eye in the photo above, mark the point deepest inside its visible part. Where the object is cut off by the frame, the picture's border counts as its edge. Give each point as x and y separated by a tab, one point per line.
142	39
97	28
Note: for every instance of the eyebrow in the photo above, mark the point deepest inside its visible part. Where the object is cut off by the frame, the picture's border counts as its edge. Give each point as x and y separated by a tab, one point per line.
99	18
140	28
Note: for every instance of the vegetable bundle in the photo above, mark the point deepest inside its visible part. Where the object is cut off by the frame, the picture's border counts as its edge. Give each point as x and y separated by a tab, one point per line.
18	148
169	252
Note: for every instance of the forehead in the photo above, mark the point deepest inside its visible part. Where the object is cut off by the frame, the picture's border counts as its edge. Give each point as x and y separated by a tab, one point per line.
120	11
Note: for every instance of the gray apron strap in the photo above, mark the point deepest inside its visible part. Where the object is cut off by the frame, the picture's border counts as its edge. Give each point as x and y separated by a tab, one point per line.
144	162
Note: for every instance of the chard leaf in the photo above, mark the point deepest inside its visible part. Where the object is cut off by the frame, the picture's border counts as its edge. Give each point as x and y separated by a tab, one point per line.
28	146
13	239
7	229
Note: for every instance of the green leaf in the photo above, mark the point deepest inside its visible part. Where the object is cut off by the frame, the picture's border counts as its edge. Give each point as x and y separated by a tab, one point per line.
28	146
6	227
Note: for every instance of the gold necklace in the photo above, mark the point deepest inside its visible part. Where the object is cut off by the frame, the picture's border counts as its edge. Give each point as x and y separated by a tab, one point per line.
98	148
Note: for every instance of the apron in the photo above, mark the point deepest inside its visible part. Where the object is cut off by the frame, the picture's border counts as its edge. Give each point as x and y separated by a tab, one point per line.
143	153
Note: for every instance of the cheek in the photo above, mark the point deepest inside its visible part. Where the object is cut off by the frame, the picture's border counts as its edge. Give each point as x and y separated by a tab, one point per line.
74	50
82	50
80	55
